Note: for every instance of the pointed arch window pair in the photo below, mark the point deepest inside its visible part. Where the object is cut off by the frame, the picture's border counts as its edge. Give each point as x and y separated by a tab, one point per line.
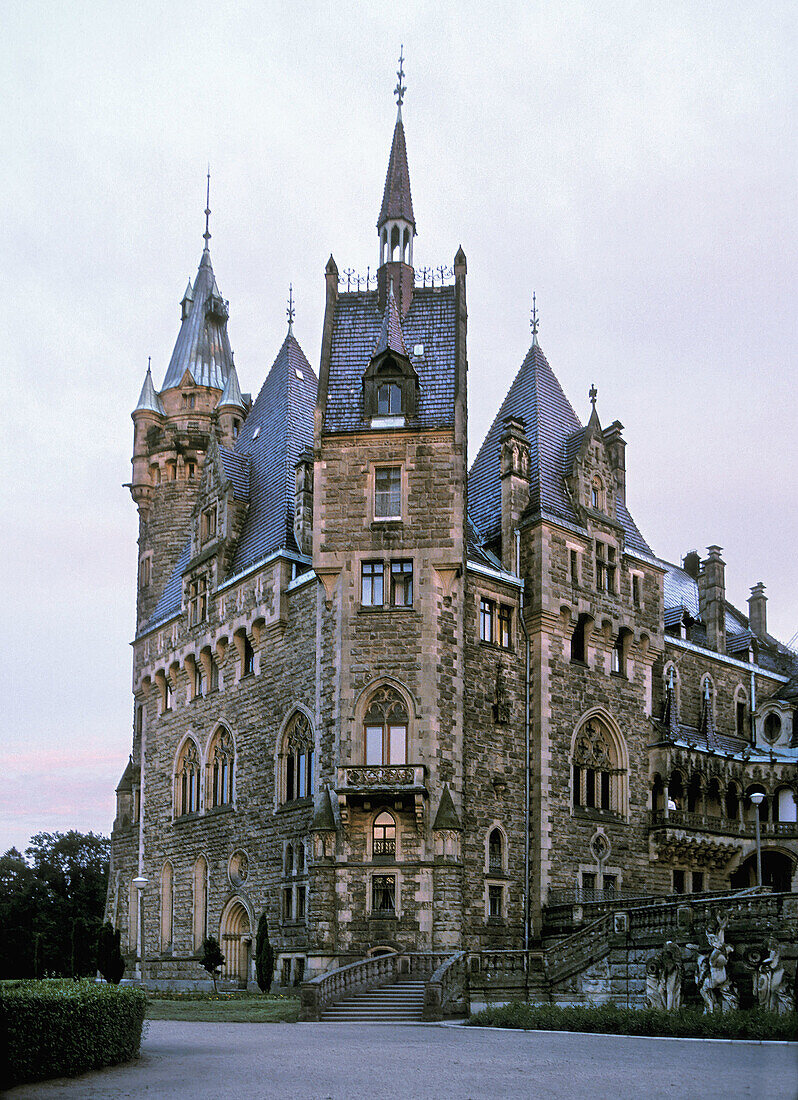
385	728
597	780
297	759
220	775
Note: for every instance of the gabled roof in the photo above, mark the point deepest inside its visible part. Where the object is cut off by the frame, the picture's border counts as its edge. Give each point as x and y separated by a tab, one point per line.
357	323
391	337
274	434
396	199
202	347
148	398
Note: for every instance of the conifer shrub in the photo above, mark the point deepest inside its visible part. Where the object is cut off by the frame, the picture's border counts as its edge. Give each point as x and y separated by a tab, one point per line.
61	1028
110	962
211	957
264	956
687	1023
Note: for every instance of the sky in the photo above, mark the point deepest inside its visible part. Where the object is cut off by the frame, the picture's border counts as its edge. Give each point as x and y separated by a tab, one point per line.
632	164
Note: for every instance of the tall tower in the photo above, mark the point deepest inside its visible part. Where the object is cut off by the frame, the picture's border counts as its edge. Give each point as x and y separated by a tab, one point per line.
396	224
173	427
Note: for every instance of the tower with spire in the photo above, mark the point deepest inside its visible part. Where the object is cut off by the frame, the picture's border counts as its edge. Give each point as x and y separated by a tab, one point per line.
396	224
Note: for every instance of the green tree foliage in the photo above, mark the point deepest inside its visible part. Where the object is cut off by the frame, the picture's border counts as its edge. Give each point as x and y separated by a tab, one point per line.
211	957
264	956
51	905
110	962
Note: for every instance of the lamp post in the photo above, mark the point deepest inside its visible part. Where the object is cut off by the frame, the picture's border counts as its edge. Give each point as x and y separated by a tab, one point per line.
139	882
756	800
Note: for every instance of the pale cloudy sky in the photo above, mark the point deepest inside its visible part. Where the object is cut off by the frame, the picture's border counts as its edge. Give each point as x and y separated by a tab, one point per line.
632	163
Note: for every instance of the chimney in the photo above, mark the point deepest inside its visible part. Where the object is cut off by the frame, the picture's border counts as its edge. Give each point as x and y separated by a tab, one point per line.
691	564
515	484
757	610
616	448
712	598
303	503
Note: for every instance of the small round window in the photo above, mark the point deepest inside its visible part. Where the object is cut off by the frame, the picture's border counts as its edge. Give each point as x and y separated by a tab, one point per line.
238	868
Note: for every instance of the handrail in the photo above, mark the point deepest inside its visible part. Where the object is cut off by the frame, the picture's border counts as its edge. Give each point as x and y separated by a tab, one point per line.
318	993
440	990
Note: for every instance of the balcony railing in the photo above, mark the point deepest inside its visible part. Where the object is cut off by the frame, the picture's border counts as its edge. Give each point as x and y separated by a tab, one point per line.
726	826
384	847
390	777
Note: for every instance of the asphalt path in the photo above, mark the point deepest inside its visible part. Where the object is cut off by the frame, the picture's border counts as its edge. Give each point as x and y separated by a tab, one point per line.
349	1062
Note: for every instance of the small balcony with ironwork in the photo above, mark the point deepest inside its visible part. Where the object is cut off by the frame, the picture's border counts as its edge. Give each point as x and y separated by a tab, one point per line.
368	786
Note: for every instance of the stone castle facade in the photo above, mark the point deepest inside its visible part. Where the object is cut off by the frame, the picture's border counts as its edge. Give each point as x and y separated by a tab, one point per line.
399	705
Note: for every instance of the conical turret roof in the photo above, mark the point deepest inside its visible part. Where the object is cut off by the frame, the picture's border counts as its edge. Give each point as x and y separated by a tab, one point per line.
148	398
231	395
396	199
202	347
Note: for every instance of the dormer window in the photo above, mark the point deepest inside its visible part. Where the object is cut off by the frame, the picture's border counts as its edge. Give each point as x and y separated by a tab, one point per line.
389	399
208	524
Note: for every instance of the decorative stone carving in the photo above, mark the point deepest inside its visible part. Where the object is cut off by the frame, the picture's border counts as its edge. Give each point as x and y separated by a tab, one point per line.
715	986
501	706
600	846
770	984
664	974
591	750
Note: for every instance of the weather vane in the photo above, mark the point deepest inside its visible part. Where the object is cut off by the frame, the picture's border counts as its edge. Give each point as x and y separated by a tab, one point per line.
535	321
207	233
290	311
400	89
593	394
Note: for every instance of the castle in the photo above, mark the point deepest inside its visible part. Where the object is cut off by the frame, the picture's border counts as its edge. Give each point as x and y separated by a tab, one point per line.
399	705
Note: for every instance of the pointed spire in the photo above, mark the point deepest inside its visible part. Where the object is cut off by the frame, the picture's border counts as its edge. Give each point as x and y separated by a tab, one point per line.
670	716
707	727
149	400
391	337
446	818
290	311
400	89
397	203
231	395
207	234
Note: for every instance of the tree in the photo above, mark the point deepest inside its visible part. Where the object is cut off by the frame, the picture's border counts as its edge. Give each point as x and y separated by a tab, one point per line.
110	962
264	956
211	957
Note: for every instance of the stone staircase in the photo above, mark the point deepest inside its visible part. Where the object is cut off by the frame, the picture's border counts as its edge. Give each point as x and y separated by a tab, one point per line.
399	1003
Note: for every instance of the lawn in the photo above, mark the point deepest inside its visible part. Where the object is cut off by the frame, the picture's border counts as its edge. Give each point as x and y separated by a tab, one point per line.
235	1008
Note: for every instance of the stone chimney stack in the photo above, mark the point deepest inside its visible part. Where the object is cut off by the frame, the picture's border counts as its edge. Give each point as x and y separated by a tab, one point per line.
616	448
712	598
303	503
692	564
515	484
758	611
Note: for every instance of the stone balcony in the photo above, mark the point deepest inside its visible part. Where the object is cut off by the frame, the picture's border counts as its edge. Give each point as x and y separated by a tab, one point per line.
705	839
723	826
394	786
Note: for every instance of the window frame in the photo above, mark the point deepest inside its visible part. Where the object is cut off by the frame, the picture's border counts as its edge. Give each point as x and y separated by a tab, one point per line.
384	498
403	569
394	391
388	882
487	611
372	573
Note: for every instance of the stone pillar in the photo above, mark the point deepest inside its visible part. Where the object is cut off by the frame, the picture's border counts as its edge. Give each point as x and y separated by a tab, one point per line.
757	610
303	503
515	485
616	449
712	598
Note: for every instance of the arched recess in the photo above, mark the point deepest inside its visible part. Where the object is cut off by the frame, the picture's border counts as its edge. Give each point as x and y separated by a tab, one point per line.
187	778
741	712
778	871
295	756
199	891
167	907
386	703
384	835
495	850
220	768
599	765
235	938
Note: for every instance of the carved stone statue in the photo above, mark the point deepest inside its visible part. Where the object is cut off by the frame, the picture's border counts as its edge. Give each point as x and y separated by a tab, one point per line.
770	983
714	984
664	973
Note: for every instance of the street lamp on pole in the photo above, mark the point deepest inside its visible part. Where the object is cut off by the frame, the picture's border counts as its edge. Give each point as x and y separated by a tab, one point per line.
139	882
756	799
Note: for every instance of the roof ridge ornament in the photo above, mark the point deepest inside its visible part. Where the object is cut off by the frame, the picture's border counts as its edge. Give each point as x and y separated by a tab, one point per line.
534	320
207	234
593	394
400	89
290	312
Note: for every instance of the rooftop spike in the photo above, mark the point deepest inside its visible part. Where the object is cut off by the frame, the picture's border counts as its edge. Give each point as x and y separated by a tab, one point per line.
207	234
391	337
231	395
149	401
400	89
593	394
534	321
290	311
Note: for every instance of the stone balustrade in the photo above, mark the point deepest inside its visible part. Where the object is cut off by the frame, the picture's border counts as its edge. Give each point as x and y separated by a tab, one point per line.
393	777
445	992
371	973
726	826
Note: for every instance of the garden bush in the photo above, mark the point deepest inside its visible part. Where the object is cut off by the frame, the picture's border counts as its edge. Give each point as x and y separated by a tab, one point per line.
609	1019
61	1028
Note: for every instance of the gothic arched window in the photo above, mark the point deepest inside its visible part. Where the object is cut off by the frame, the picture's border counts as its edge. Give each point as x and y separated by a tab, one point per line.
496	852
598	771
221	768
297	758
187	780
383	836
385	728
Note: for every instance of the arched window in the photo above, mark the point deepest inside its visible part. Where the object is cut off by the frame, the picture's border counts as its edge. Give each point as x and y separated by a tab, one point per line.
187	780
200	898
620	652
167	907
385	728
133	920
383	835
772	727
732	803
395	242
221	767
599	772
741	724
496	852
596	493
297	758
579	639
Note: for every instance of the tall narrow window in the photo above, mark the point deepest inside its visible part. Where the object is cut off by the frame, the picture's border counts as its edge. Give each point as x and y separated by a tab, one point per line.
605	567
579	639
389	399
402	583
487	609
385	728
297	757
495	901
246	654
384	835
742	715
199	680
187	781
505	622
371	585
597	776
383	895
221	764
200	891
574	566
635	589
388	492
596	494
495	852
198	600
167	907
208	524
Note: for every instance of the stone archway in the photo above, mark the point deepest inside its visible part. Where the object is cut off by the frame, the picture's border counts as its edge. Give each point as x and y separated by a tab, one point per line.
777	872
236	943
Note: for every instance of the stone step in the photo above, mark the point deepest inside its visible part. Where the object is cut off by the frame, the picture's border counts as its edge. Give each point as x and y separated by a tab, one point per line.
400	1003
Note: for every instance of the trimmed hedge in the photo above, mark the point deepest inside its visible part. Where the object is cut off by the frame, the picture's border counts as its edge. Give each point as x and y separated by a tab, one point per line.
687	1023
61	1028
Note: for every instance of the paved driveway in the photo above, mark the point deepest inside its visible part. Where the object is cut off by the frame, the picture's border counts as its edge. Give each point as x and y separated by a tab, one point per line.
347	1062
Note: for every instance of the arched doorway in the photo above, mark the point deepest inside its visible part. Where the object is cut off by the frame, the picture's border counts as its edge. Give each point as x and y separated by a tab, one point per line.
236	944
777	872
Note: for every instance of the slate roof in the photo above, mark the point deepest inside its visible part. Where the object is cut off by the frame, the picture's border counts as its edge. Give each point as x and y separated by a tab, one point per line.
202	346
172	596
357	324
148	398
236	467
391	337
555	435
231	394
396	199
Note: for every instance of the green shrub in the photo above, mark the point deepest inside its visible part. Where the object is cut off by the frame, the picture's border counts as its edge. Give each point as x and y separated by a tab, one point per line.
264	956
61	1028
211	957
110	962
609	1019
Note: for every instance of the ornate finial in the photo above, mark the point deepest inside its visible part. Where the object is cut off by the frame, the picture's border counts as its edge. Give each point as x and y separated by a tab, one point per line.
207	233
149	363
400	89
535	321
290	311
593	394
